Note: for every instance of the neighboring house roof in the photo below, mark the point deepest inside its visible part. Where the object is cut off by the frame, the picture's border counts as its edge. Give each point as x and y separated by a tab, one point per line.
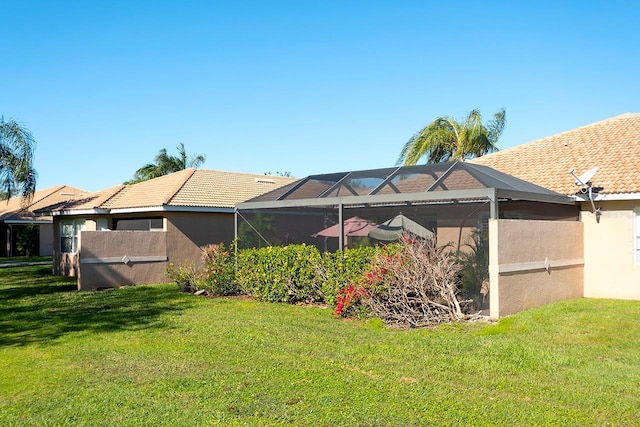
613	145
190	189
18	209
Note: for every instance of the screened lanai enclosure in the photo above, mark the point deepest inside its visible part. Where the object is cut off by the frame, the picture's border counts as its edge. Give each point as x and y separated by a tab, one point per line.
450	202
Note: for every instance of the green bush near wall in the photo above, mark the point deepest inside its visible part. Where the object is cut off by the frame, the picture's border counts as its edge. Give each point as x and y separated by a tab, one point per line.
279	273
291	274
341	268
299	273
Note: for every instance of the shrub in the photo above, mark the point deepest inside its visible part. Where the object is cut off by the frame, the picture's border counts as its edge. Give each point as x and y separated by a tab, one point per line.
215	274
337	270
279	273
185	275
219	277
351	300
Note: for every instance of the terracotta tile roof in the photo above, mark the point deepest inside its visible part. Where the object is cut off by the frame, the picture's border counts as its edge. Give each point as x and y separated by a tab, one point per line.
188	188
224	189
90	200
613	145
15	210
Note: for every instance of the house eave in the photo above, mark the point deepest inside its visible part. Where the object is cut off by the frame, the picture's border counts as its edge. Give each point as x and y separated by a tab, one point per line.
146	209
74	212
27	221
608	197
167	208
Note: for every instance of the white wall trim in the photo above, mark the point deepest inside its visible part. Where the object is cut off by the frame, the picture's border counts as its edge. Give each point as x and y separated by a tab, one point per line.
538	265
123	260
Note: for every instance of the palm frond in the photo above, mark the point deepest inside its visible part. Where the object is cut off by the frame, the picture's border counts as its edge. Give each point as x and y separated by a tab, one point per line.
164	164
433	141
496	126
17	146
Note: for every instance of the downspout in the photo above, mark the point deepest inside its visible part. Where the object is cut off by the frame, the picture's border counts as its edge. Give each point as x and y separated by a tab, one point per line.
235	231
493	198
494	260
341	237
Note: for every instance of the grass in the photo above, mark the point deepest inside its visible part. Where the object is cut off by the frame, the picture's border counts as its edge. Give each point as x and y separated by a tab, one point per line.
150	355
25	259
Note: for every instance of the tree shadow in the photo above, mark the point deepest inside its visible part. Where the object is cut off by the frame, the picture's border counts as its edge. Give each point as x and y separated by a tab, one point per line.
40	308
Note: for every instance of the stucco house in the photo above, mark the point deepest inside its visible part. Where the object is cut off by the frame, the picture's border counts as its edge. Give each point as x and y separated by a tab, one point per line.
128	234
611	231
18	219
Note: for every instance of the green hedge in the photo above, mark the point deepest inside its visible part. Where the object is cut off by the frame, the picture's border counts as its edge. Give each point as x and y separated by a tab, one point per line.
279	273
299	273
341	268
294	273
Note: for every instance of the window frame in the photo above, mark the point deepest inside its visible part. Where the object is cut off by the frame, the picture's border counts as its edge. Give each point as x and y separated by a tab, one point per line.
77	225
149	220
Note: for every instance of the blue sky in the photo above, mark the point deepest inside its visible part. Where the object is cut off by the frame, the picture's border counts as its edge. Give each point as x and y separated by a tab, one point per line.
300	86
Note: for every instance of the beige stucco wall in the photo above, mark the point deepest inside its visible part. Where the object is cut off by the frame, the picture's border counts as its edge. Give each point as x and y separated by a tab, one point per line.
520	252
456	237
610	271
101	255
149	251
187	232
46	240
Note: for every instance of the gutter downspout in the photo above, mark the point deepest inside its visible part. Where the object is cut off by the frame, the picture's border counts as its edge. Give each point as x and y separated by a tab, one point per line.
341	237
235	231
493	198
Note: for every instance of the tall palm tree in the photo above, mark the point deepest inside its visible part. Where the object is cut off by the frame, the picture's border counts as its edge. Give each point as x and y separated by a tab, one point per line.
446	139
17	175
165	163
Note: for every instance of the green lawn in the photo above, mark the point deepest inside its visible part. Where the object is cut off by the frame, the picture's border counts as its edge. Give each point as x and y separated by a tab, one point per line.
150	355
25	259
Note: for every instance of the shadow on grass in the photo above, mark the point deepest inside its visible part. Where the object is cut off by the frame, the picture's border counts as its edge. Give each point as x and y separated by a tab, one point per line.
36	307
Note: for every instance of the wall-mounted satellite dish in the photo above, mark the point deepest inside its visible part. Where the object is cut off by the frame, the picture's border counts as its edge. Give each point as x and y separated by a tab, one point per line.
585	178
584	181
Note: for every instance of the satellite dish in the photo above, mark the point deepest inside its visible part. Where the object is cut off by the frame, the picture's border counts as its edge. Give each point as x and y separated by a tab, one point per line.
584	181
586	177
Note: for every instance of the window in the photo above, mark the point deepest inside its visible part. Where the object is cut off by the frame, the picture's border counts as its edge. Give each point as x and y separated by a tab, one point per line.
636	232
70	235
139	224
102	224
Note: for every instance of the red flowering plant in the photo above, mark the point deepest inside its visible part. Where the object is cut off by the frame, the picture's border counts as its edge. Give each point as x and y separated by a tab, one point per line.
351	300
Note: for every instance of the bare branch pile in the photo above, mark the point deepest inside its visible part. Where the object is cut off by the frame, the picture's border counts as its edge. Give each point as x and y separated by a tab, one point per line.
418	288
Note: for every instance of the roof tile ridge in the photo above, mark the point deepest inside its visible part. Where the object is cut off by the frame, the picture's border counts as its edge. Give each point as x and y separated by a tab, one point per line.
524	146
34	201
181	184
118	190
590	125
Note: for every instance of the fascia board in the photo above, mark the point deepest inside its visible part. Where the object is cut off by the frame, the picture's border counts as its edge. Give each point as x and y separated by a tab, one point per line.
483	193
75	212
28	221
172	209
535	197
608	197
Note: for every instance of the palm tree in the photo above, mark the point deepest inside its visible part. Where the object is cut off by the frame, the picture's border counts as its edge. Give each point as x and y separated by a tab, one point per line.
165	163
17	175
446	139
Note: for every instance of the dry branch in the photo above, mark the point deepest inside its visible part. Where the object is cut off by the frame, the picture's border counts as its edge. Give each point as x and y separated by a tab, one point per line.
419	287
